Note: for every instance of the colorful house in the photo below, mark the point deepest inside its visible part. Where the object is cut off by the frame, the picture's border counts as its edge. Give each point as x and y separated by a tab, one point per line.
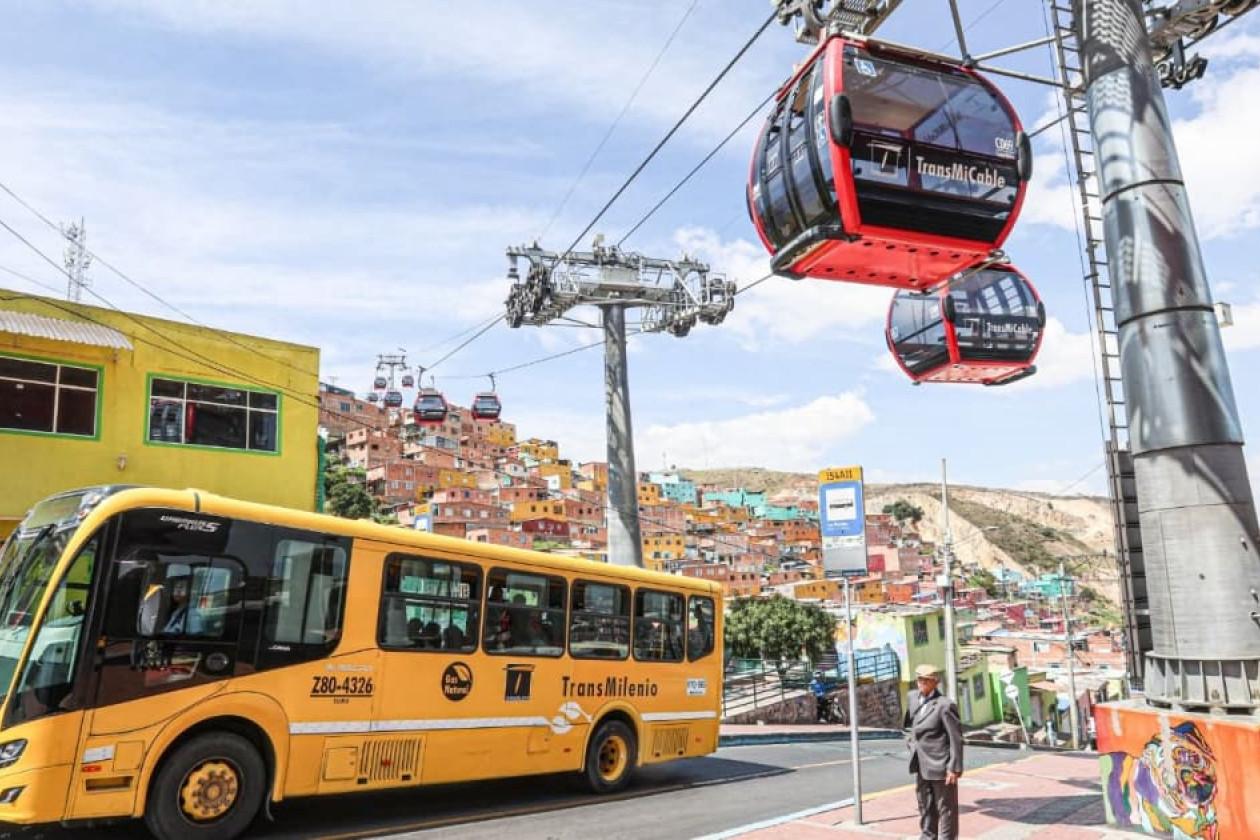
98	396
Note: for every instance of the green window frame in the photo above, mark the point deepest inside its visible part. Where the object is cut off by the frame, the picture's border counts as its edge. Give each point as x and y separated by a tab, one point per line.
65	383
249	420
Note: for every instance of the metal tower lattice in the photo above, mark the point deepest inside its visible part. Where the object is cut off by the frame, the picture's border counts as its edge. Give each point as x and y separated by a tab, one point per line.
672	296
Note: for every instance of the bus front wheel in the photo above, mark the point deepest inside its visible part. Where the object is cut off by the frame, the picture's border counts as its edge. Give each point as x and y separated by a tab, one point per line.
610	757
211	786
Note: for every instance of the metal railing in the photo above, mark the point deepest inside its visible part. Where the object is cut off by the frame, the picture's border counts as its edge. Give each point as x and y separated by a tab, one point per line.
751	683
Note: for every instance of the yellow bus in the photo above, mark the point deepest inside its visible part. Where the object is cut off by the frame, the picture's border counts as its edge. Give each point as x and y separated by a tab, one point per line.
189	659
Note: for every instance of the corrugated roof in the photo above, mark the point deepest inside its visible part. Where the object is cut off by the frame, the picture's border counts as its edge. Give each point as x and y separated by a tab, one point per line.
58	329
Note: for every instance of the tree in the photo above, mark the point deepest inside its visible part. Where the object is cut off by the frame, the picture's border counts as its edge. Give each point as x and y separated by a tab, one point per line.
903	511
345	490
779	628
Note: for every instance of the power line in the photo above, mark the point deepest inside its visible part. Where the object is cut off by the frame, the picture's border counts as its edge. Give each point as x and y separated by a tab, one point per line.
612	128
696	168
468	341
231	339
30	279
677	125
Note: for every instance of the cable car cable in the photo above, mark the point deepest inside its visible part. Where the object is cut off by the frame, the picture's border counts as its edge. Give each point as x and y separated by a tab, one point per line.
697	168
227	336
466	342
177	350
677	125
612	128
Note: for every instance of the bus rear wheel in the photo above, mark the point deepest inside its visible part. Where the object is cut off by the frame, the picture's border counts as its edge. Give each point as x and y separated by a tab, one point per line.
610	757
211	786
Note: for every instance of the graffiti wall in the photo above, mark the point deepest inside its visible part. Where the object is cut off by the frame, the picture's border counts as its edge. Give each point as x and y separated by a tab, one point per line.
876	631
1177	775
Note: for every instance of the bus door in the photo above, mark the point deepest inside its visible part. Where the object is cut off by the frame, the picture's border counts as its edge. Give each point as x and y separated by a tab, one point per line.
170	635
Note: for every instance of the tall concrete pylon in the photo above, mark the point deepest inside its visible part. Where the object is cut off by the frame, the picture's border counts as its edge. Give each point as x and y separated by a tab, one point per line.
1197	514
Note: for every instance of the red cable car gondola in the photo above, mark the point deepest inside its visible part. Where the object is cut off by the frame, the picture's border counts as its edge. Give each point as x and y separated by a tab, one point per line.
985	328
486	406
408	381
372	397
885	167
380	383
393	399
430	407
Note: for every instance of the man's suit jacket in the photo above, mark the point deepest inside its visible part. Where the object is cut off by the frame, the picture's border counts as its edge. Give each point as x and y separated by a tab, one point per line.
936	744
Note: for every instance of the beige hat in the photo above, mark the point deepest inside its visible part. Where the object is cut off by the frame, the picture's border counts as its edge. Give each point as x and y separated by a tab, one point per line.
930	672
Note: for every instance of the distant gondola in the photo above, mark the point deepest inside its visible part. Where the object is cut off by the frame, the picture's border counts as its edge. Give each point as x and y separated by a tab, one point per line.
430	407
393	399
486	406
985	328
886	167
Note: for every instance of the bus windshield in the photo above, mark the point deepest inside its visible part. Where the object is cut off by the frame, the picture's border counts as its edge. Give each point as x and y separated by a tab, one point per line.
27	563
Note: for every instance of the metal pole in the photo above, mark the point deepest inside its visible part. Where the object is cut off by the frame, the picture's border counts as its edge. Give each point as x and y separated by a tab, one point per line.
947	592
1197	515
1073	712
854	736
624	546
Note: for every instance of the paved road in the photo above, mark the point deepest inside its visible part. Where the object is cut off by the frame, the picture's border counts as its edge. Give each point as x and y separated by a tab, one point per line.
735	786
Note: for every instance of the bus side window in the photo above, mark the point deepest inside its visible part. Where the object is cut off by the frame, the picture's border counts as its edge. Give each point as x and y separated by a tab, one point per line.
658	626
600	623
429	604
524	614
305	600
700	628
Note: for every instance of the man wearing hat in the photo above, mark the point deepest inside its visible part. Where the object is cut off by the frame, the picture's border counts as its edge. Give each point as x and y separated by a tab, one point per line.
936	755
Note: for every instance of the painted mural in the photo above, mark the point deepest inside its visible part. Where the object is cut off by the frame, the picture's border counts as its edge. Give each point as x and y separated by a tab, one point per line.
876	631
1178	776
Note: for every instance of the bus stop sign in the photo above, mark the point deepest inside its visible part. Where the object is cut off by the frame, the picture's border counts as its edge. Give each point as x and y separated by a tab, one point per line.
842	520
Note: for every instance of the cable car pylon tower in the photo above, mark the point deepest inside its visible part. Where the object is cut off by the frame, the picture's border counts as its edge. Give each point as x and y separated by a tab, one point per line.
671	296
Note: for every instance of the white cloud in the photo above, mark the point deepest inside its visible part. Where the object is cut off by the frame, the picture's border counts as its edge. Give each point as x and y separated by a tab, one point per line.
1225	198
790	439
584	56
1065	357
782	311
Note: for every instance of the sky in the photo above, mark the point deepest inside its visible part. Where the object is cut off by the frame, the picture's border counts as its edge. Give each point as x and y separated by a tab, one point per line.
348	175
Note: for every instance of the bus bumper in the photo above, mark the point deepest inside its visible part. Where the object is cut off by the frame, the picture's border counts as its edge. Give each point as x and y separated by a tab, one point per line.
34	796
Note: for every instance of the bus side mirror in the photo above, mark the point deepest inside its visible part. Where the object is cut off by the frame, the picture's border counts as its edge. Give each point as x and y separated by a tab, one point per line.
840	120
1024	157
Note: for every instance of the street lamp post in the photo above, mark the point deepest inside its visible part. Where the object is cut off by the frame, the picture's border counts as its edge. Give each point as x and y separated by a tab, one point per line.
1073	712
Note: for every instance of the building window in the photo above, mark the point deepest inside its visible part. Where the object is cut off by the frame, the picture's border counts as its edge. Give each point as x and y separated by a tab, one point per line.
48	397
223	417
977	686
940	626
920	632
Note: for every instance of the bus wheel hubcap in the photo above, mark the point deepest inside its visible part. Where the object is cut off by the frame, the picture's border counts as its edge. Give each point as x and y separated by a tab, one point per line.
209	790
612	758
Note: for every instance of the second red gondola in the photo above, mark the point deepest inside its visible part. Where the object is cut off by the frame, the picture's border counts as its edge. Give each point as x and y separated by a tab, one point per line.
985	328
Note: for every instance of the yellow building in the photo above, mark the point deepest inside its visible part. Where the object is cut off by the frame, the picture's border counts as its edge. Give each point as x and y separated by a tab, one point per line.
542	451
649	494
499	433
524	510
448	479
561	471
659	549
96	396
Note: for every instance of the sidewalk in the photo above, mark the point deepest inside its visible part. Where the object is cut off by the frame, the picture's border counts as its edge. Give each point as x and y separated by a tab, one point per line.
1047	795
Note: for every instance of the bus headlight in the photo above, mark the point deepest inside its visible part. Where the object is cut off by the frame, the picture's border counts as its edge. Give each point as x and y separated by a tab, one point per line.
11	751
